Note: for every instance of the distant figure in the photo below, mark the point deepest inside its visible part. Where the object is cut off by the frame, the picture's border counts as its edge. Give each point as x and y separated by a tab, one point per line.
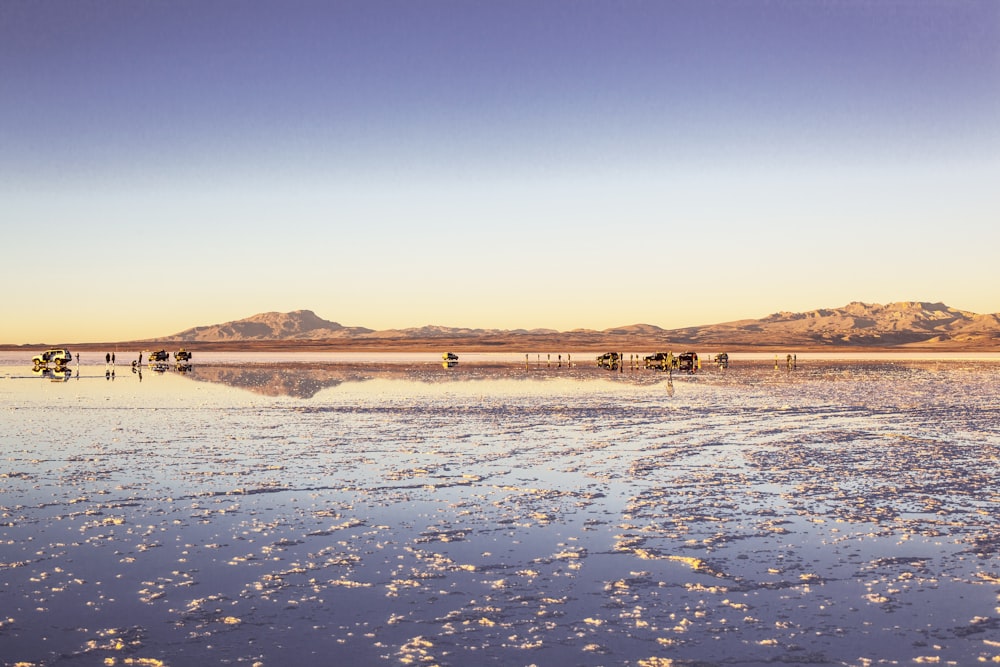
788	361
107	358
140	357
77	358
112	358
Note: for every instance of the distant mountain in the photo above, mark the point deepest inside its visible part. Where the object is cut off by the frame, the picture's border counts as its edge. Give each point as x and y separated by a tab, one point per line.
906	323
431	331
296	325
858	325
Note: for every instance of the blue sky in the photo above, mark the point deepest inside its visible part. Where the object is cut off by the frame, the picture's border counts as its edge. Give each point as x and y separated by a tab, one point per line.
511	164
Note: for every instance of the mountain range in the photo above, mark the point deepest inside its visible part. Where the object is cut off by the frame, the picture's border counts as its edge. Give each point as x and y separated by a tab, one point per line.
906	324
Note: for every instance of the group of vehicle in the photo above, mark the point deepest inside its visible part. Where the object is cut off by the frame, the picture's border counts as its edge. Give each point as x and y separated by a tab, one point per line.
61	357
685	362
159	360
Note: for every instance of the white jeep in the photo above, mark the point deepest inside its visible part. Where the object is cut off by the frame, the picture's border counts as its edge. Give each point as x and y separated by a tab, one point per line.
57	356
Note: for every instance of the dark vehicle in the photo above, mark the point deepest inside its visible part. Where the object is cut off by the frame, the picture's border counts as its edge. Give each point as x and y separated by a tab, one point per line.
182	355
687	362
159	355
449	356
609	359
659	360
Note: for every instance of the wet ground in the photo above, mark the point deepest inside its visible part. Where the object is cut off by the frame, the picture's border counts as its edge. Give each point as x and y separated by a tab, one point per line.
842	513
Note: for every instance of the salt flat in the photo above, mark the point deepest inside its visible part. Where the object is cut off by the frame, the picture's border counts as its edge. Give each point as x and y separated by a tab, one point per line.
400	512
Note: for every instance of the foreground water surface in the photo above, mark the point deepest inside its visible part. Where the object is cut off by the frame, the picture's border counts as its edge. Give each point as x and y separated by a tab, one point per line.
393	510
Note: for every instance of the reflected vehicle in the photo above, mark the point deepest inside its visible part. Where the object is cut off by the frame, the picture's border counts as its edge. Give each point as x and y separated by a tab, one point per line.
57	374
57	356
609	359
182	355
449	356
449	364
158	355
182	367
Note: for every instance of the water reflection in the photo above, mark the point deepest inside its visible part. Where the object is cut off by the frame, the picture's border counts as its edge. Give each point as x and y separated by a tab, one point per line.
299	381
305	380
57	374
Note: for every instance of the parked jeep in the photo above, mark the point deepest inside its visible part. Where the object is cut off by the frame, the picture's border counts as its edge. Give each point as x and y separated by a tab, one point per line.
659	360
57	356
609	359
688	362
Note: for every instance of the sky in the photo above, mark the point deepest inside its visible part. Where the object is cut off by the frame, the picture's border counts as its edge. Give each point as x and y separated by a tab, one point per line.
516	164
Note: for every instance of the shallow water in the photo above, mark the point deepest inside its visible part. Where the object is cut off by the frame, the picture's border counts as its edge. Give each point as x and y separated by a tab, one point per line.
389	510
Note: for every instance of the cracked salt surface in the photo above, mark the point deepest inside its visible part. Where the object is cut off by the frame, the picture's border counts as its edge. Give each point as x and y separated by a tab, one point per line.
495	513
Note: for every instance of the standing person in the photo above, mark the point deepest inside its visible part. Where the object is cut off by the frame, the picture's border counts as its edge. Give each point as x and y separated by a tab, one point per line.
140	357
107	358
112	358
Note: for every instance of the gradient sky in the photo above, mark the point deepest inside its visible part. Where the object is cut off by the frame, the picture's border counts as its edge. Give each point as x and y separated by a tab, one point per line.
508	164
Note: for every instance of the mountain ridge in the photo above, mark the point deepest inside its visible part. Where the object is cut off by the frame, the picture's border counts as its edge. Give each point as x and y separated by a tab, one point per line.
857	324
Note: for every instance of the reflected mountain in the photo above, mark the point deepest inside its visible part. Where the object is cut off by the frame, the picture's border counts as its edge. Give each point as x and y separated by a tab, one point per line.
305	380
298	380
